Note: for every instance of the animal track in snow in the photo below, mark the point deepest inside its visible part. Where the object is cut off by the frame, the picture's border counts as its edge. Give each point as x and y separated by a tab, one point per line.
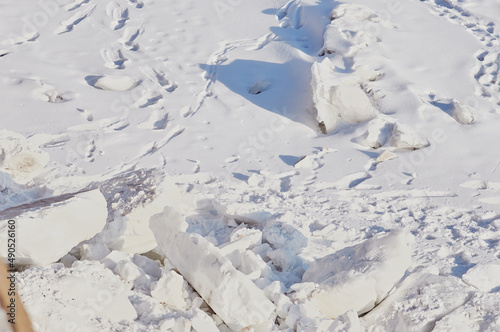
291	14
89	153
114	57
118	14
86	114
68	25
487	68
487	74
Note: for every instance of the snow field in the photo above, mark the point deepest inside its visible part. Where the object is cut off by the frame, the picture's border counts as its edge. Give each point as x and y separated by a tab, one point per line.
304	166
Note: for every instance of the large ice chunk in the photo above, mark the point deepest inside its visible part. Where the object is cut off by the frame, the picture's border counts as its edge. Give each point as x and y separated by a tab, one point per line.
48	229
130	232
360	276
231	294
338	96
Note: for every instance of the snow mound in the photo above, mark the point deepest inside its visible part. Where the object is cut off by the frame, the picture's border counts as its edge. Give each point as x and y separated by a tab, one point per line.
212	275
20	158
48	93
360	276
48	229
404	137
113	83
338	96
454	108
462	113
352	28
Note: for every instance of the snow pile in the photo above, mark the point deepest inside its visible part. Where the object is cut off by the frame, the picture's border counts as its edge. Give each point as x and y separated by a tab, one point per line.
57	224
338	96
352	28
113	83
391	134
212	275
361	276
404	137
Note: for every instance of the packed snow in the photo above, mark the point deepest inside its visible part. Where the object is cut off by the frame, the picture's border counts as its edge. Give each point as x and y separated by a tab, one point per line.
232	165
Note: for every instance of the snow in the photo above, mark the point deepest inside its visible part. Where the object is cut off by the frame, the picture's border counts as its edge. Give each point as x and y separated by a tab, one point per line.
212	275
418	303
113	83
361	276
336	161
20	158
60	223
336	98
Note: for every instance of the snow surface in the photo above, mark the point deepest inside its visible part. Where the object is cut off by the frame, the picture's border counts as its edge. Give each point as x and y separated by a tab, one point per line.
303	145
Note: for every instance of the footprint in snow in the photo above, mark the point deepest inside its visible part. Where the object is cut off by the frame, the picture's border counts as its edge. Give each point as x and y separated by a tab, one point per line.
158	120
114	57
160	77
291	14
129	36
150	97
118	14
18	40
86	114
75	5
68	25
